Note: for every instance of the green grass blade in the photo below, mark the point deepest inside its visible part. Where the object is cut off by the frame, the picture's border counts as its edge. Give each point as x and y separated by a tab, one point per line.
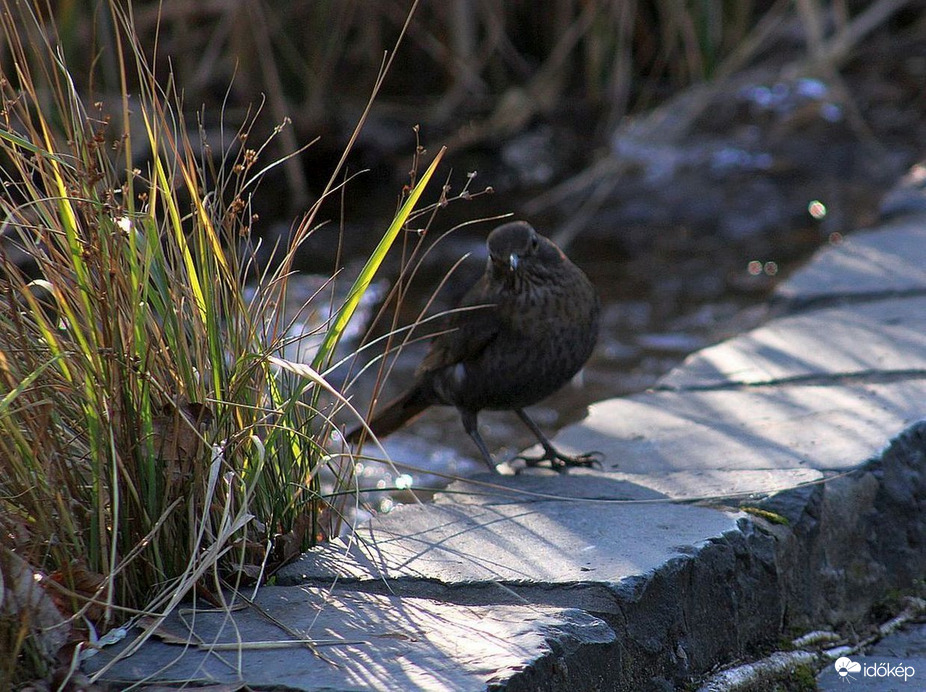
27	382
372	265
23	143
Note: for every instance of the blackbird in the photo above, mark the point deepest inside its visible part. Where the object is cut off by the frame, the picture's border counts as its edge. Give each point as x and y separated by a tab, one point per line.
520	333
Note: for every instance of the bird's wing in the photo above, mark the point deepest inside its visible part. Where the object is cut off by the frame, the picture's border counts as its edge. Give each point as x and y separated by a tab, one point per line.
469	330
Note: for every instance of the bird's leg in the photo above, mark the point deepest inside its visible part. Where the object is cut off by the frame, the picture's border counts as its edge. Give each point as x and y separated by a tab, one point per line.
471	426
557	459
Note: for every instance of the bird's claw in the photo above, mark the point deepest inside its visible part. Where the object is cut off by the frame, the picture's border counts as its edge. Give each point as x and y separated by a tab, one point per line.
560	462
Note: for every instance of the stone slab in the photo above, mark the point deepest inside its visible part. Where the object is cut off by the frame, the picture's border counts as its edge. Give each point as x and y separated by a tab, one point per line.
656	446
886	336
550	531
890	259
839	551
359	641
799	427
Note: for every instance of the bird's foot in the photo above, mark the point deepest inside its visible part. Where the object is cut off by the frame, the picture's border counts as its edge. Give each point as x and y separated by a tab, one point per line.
559	462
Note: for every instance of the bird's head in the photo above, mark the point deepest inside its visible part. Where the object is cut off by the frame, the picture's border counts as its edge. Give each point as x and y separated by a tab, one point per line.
517	248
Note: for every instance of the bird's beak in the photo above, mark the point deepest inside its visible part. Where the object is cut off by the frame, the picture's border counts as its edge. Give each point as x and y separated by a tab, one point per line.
513	260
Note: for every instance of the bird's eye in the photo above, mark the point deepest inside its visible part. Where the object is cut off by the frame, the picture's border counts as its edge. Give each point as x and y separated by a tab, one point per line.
535	243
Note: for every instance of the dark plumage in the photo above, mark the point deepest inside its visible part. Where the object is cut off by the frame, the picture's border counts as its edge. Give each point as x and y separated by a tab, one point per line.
524	330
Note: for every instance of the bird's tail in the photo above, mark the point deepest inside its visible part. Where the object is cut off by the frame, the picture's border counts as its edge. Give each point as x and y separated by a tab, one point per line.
394	415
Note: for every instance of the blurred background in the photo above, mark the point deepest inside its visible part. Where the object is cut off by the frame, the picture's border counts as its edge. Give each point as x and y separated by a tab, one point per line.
686	154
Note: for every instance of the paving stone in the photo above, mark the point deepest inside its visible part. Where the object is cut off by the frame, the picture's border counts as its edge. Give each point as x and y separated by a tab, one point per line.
774	429
514	539
678	445
890	259
361	642
882	337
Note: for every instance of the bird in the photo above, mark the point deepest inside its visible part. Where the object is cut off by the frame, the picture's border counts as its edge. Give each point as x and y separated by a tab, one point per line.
521	332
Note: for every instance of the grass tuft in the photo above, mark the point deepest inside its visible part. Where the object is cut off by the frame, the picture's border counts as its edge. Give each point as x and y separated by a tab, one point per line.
153	438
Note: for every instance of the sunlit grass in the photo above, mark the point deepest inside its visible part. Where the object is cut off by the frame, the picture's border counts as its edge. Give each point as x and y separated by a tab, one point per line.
153	436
